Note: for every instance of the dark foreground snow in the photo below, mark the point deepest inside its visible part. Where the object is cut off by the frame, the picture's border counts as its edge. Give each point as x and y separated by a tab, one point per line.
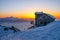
48	32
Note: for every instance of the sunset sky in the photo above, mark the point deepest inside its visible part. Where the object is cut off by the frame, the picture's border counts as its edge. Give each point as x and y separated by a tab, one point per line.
27	8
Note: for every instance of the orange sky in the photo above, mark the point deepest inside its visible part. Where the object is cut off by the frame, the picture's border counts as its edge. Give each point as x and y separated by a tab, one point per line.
54	13
29	14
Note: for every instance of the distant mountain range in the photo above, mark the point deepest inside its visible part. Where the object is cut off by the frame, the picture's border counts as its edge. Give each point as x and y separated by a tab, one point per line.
11	19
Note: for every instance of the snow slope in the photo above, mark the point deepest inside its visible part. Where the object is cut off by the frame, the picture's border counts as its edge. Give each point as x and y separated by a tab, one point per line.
48	32
22	26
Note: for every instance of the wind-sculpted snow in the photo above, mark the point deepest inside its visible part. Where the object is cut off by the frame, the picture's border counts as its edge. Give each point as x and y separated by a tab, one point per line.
48	32
22	26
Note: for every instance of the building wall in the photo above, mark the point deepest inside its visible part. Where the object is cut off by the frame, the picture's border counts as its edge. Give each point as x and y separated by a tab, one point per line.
37	15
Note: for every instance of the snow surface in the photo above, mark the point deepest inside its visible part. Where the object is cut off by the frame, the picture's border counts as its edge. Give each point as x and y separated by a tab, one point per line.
48	32
39	12
22	26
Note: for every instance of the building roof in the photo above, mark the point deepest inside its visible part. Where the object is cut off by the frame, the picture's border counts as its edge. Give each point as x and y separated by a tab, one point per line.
38	12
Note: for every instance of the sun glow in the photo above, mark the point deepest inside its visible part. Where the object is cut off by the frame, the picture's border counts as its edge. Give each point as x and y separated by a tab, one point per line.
29	14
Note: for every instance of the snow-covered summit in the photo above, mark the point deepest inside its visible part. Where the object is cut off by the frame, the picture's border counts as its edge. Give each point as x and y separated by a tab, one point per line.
48	32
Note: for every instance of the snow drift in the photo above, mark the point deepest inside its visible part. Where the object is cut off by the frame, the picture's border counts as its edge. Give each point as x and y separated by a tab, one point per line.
48	32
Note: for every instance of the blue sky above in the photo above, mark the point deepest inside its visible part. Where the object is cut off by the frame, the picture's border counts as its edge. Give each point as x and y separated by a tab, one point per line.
18	5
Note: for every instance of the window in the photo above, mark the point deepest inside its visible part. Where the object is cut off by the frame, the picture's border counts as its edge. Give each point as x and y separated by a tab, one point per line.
41	22
45	23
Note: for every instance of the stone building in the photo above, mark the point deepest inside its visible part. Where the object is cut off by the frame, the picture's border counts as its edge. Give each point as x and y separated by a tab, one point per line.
42	19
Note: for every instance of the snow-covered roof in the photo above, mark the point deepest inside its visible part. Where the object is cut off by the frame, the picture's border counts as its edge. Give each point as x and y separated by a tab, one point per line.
51	16
38	12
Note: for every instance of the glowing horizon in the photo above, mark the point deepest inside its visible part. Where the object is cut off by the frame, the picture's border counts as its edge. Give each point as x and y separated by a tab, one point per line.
27	8
29	15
